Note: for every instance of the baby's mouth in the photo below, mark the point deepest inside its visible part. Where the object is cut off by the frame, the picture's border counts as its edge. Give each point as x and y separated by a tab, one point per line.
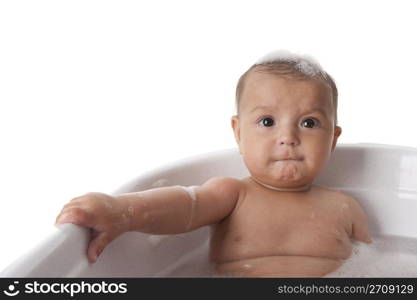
290	159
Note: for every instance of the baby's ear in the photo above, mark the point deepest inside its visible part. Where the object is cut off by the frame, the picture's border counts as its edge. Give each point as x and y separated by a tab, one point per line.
236	128
337	133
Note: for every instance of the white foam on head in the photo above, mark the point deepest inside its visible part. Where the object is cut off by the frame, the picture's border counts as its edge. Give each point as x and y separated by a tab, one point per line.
386	256
304	63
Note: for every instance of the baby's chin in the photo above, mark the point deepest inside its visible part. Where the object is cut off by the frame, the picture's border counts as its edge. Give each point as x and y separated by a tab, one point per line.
280	184
284	178
288	172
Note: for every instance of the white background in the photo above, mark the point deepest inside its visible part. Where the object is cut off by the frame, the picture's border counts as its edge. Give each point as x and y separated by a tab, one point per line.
94	93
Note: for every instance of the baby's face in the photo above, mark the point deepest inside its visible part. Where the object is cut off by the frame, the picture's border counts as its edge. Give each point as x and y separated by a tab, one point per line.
285	129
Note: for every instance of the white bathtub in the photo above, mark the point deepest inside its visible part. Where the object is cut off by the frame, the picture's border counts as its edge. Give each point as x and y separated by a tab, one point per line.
383	178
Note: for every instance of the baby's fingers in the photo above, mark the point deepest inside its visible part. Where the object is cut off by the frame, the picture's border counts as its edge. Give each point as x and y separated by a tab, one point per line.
75	215
97	246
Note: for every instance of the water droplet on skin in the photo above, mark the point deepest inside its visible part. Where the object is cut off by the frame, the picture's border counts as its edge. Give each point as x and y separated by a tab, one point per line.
108	205
344	206
160	183
145	215
155	240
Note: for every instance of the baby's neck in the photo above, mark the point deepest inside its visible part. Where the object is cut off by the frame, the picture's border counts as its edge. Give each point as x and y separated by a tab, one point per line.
303	188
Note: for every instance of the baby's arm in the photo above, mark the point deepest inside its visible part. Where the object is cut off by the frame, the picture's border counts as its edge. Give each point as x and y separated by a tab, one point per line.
166	210
360	231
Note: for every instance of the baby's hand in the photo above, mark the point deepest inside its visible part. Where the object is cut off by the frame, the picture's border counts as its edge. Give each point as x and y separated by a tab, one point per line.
104	214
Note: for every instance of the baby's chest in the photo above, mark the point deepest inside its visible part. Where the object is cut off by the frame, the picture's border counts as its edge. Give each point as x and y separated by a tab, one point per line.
292	229
285	222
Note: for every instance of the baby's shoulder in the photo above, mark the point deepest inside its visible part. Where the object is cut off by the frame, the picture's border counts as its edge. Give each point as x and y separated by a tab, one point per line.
329	191
225	185
335	195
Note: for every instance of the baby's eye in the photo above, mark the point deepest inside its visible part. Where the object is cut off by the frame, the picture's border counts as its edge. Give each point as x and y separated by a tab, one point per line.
310	123
267	122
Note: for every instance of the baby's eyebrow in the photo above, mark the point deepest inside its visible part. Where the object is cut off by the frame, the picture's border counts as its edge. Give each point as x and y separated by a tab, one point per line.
305	112
263	107
316	109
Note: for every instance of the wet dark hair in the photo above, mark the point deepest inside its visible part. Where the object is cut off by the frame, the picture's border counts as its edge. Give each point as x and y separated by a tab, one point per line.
291	66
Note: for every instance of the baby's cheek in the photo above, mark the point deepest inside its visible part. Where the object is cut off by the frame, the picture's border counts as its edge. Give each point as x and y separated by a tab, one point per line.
316	163
254	161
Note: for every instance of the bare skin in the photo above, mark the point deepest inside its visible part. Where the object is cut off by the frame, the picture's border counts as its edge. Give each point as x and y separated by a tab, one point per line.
257	232
274	223
302	234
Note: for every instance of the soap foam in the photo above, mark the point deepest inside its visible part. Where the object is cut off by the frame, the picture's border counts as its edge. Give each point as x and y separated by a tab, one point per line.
305	64
386	256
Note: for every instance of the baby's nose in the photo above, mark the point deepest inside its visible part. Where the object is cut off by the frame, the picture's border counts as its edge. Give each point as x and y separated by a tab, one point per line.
288	137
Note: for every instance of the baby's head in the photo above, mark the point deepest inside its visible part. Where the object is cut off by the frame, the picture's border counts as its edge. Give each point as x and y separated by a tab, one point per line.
286	120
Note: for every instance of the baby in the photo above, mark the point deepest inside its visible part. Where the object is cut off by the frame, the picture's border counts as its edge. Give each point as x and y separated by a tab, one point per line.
274	223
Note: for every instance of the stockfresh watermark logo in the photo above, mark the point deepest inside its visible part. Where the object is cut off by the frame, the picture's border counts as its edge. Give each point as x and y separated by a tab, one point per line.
12	290
50	287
